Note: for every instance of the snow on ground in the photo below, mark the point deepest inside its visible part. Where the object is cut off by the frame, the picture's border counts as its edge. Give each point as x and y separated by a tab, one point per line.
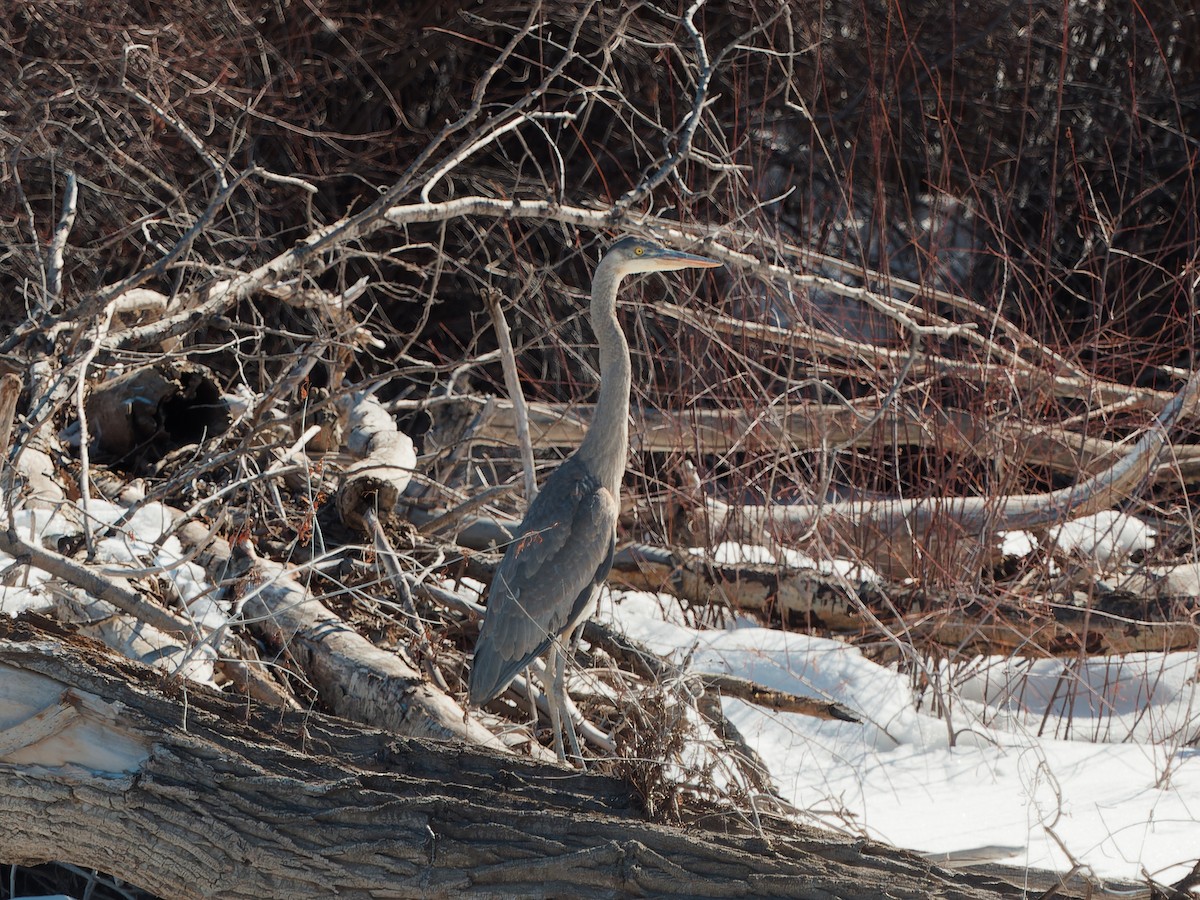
1104	537
1096	752
136	544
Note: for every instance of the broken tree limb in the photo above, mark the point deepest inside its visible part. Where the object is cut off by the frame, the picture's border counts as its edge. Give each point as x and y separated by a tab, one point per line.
512	382
777	701
378	479
1109	622
799	594
352	676
888	533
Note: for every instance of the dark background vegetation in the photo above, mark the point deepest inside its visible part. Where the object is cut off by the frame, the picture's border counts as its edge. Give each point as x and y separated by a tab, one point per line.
1067	129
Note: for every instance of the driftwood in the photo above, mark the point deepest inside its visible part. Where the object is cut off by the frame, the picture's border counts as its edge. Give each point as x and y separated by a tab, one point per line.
804	426
895	534
387	461
351	675
190	794
1109	622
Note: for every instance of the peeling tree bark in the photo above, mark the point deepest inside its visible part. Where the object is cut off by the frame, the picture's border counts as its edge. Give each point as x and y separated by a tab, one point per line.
190	794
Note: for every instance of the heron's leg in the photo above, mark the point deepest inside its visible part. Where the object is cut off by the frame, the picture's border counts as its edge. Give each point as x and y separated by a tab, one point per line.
567	711
571	644
531	696
552	681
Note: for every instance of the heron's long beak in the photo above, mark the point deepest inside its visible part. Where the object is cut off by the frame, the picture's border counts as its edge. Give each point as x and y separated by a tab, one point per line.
677	259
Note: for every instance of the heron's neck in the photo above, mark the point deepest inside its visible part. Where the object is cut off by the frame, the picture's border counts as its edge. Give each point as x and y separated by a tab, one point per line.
606	445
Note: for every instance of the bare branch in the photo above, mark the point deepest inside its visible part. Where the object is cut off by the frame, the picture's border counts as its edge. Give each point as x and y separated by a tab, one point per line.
517	396
58	243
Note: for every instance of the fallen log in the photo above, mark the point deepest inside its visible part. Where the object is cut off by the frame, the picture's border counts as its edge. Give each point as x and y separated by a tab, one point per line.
492	421
351	675
152	410
187	793
1104	622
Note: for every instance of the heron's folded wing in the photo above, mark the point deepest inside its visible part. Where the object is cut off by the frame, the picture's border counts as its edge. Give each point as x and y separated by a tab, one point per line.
561	551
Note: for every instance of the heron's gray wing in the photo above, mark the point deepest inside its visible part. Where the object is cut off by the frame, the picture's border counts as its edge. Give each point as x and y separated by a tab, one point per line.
562	550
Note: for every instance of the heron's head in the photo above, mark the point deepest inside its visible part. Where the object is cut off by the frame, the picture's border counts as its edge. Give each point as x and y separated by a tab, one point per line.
633	255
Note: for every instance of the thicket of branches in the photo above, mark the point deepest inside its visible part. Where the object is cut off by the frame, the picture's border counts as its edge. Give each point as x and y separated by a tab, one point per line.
960	250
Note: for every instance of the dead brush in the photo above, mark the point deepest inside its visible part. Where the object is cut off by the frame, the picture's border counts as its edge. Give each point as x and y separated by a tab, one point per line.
678	755
652	735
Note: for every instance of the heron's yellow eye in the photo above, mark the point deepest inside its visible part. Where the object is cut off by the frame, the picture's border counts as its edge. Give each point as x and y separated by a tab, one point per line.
638	251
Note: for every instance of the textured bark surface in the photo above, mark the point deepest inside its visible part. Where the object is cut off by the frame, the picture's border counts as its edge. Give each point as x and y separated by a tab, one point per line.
189	793
385	465
1109	622
351	676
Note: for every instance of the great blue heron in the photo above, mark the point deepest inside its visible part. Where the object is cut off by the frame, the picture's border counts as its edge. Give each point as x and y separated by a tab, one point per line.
547	582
